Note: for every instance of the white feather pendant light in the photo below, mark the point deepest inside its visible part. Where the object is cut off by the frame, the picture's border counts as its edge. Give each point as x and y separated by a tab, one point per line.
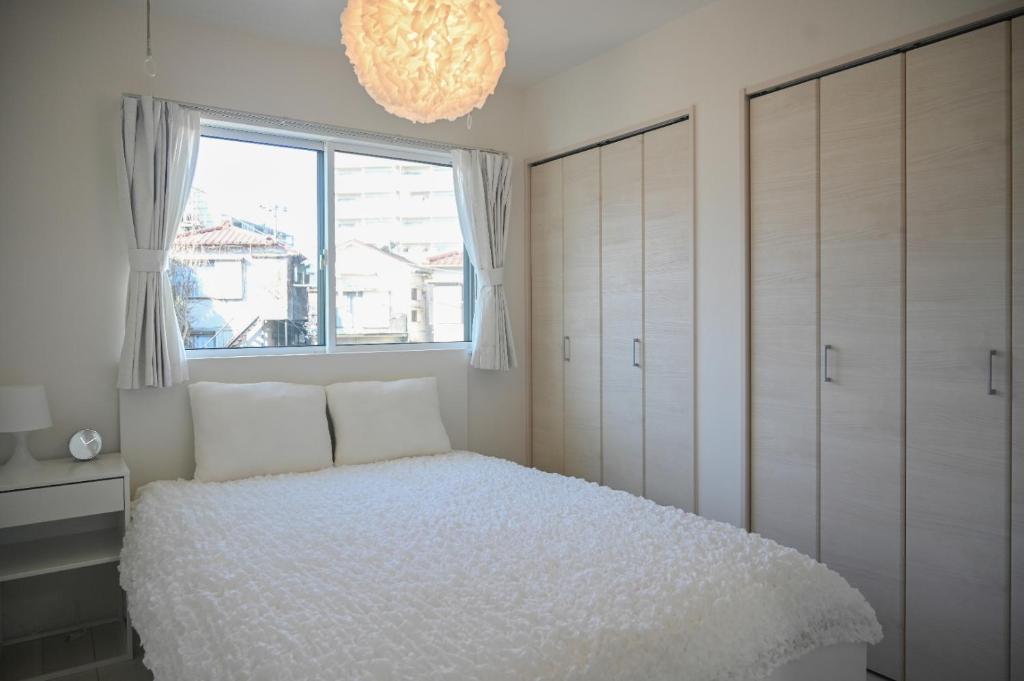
426	59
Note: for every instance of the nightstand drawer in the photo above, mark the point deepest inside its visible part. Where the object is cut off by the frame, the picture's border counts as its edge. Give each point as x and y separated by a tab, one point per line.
43	504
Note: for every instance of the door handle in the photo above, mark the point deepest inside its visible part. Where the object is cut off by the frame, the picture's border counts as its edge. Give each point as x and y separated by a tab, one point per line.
991	388
827	376
566	348
636	352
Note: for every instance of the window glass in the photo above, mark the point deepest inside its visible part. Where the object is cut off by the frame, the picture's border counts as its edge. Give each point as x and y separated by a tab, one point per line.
396	232
244	265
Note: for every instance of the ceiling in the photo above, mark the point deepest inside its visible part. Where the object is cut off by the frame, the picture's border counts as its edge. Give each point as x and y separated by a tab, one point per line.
546	36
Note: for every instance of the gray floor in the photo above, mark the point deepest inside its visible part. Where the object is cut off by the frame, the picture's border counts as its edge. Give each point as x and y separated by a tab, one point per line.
120	671
64	651
134	671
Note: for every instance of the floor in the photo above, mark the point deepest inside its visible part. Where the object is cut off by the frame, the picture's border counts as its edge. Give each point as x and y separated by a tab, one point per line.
59	650
134	671
62	651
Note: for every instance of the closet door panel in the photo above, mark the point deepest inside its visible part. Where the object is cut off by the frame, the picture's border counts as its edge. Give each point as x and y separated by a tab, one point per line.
668	316
622	437
546	303
1017	448
862	321
957	312
783	316
582	258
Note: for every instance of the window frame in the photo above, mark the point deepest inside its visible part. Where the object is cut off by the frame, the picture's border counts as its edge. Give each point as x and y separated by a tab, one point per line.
225	128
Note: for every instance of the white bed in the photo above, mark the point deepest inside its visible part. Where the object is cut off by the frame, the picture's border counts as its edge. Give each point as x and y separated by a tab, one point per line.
461	566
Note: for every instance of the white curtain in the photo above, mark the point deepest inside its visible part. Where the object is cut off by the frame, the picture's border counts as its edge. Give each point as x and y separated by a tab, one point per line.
157	159
482	188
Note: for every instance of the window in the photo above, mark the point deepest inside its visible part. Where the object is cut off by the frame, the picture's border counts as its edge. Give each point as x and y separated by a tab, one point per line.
401	234
249	267
245	259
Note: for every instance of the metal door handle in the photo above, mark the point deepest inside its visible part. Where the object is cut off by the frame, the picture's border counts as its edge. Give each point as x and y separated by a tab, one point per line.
566	348
827	376
991	388
636	352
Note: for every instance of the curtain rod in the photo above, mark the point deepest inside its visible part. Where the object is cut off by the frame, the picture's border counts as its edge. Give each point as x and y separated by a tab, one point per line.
320	129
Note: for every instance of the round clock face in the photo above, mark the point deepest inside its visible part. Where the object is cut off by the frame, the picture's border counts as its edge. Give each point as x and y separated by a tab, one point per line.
85	445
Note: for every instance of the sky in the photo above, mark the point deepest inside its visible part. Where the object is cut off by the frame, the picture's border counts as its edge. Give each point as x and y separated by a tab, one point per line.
246	180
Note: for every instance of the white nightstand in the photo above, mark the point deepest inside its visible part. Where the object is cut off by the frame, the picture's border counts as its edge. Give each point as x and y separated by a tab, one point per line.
63	515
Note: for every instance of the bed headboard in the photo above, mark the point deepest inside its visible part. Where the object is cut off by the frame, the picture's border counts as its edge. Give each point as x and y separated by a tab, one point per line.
156	424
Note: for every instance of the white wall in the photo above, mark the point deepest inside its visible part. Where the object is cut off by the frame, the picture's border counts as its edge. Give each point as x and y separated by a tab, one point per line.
706	59
156	425
63	263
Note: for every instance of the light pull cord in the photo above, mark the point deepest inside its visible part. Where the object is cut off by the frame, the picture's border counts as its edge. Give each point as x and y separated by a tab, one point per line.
148	64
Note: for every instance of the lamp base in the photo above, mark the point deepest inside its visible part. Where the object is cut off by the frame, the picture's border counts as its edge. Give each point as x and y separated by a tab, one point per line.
21	459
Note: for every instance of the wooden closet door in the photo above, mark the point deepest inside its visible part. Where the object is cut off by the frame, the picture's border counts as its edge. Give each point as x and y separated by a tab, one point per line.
582	258
862	296
668	316
783	316
1017	447
546	303
622	266
958	246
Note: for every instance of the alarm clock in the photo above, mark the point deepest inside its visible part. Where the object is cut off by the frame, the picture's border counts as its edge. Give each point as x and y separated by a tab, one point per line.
85	445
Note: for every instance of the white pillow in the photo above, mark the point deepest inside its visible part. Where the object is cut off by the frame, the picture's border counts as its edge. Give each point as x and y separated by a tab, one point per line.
246	429
380	420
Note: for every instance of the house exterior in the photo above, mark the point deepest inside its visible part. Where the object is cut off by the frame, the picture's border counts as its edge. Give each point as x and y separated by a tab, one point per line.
403	206
445	296
399	252
383	297
236	286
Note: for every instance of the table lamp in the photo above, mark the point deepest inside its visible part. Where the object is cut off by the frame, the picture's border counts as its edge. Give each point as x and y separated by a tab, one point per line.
23	408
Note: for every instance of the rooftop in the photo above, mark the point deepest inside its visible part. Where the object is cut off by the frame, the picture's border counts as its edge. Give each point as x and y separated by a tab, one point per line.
447	259
227	235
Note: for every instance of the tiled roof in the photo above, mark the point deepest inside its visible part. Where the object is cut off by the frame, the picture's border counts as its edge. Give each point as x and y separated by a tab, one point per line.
449	259
226	235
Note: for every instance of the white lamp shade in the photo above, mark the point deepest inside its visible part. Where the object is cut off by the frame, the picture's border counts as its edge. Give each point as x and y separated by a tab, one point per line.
425	60
23	408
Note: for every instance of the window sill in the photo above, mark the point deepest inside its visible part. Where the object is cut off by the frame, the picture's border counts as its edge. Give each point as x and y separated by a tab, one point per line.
466	346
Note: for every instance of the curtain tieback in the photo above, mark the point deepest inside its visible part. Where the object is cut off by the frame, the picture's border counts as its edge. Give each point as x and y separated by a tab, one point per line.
492	277
147	260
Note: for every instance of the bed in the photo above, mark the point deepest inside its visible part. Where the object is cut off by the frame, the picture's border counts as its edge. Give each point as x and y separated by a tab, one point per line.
462	566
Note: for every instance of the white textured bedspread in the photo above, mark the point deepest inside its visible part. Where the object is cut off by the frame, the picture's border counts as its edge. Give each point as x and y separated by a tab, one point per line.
461	566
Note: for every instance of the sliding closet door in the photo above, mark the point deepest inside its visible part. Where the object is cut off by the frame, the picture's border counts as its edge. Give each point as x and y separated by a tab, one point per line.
582	258
783	316
1017	449
957	341
546	280
622	266
668	316
861	161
